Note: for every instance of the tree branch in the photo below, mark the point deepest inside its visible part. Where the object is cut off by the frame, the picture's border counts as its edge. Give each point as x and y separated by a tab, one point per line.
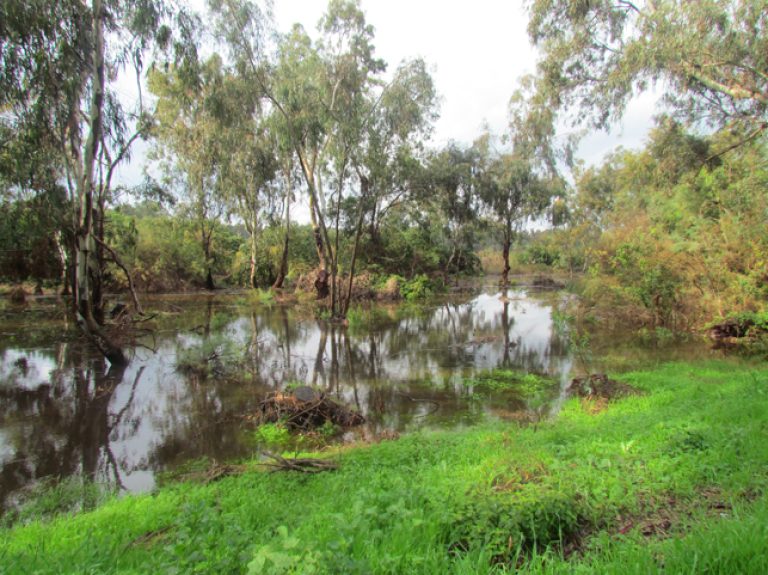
129	277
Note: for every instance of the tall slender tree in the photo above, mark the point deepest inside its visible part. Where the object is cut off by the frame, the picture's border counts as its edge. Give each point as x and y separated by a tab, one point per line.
60	62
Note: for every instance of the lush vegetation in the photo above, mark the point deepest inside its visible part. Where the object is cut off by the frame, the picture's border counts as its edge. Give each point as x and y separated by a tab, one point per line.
672	235
664	480
246	131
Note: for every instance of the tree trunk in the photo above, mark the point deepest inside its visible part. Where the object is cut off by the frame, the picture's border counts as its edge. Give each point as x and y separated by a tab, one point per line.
505	255
85	244
97	267
364	187
322	243
505	252
283	271
209	285
64	264
335	296
252	276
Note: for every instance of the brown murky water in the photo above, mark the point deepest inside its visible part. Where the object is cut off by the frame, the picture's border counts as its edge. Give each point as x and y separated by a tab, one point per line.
65	412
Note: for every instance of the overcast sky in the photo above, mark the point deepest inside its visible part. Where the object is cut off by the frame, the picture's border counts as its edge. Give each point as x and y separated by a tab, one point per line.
476	52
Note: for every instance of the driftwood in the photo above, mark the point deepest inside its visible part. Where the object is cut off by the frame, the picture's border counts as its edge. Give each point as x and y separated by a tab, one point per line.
306	409
303	465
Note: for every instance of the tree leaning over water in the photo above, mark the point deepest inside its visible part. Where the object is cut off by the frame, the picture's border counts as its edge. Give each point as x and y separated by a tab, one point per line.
60	60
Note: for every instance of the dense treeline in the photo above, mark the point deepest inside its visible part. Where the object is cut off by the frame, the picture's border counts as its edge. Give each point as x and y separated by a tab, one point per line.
266	125
243	139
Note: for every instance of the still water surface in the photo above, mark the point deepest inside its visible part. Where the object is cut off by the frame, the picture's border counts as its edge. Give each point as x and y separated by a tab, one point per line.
64	412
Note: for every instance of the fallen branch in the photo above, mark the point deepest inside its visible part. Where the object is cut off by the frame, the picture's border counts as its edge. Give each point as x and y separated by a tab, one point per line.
303	465
306	412
129	277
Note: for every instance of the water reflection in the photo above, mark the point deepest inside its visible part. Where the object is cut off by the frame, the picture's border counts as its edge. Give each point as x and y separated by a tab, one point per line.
65	412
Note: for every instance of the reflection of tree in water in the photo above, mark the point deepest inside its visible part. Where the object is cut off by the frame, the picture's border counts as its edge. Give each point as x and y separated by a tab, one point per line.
381	370
206	419
63	428
400	372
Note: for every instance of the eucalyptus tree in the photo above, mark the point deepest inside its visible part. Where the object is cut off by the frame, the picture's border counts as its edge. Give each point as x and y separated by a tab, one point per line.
60	63
192	147
352	77
292	84
711	55
249	157
318	91
287	177
453	176
399	122
513	194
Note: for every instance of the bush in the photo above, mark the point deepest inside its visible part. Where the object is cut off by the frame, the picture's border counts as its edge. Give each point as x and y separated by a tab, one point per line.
540	253
418	288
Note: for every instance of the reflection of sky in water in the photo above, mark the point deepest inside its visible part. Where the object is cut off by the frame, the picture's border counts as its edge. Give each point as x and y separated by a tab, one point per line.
27	369
404	373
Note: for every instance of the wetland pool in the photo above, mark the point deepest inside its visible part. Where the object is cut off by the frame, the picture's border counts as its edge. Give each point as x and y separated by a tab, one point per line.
64	412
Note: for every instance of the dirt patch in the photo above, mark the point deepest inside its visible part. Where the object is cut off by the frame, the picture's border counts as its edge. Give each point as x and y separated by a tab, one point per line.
658	516
599	386
305	410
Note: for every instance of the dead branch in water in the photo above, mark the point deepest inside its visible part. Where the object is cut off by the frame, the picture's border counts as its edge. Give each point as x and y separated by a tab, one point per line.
306	412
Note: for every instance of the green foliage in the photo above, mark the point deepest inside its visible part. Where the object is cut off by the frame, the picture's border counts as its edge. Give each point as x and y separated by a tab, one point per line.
285	555
418	288
263	296
50	498
273	435
499	380
507	526
669	239
596	55
31	236
212	357
539	252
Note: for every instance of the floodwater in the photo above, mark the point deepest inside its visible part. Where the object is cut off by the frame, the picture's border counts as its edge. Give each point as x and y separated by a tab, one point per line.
64	412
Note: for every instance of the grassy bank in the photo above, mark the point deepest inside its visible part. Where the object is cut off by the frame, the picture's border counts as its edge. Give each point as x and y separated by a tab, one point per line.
672	478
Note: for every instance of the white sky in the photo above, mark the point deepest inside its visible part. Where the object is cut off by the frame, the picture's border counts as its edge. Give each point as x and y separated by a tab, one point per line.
476	52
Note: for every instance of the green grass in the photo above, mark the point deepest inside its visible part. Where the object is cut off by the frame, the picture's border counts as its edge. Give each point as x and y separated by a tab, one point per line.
673	479
498	380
